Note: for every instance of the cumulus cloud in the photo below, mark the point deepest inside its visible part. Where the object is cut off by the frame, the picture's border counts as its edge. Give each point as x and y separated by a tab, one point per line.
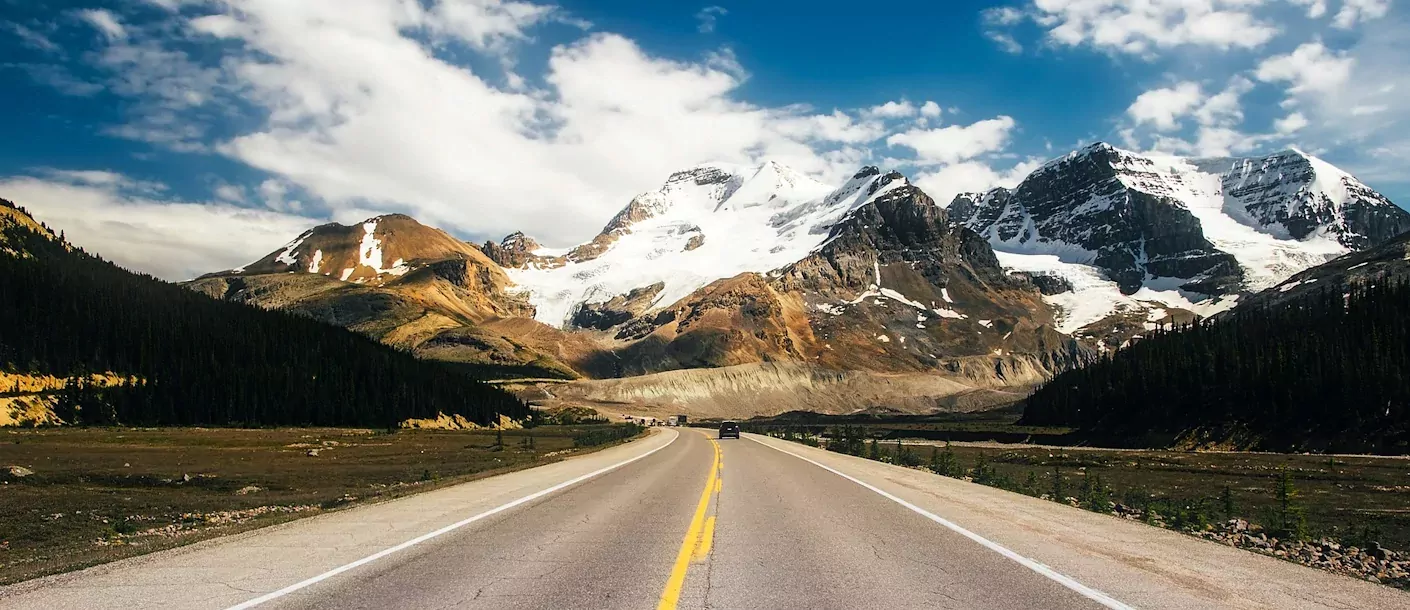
1121	26
1156	115
955	143
1290	124
357	109
893	110
971	176
106	213
1311	67
1352	98
1163	107
362	116
1356	11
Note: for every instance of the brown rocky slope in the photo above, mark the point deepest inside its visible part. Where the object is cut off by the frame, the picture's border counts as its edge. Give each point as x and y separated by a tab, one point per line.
898	308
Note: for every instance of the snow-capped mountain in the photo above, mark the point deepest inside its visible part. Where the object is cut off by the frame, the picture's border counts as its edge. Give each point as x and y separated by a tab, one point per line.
721	267
1143	235
704	224
726	266
373	251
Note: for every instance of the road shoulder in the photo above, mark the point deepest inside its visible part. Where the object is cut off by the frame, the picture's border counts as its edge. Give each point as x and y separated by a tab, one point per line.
1140	565
222	572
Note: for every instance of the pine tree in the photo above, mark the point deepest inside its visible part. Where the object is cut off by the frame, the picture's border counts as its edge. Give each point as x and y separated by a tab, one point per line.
198	361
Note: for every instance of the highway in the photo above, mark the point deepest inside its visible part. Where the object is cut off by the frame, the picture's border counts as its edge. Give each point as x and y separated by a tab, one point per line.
681	520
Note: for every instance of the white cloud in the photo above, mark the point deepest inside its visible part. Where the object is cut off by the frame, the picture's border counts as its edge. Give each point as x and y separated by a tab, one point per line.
1159	115
1356	11
1226	107
354	109
708	17
971	176
105	22
1163	107
172	240
1353	98
487	25
955	143
1315	8
1003	15
1311	67
362	116
893	110
1290	124
232	193
1122	26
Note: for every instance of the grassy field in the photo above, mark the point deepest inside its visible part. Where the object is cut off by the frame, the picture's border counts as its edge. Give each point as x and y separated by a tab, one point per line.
96	495
1355	499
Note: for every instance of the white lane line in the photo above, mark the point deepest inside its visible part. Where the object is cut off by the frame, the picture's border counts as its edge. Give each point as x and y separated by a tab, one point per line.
449	528
1064	580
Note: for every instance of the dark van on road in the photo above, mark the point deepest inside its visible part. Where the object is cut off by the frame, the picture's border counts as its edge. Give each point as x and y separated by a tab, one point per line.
729	429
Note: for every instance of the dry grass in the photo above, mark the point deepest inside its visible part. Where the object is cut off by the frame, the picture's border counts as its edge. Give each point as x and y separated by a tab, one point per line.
97	495
1357	498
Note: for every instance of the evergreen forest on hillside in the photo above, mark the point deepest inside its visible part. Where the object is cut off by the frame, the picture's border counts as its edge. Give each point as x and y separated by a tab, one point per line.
1329	372
198	361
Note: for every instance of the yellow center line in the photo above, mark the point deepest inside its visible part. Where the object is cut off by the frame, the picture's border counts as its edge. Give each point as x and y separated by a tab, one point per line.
700	536
707	539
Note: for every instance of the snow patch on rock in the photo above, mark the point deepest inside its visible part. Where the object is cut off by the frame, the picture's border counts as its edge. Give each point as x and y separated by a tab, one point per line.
772	217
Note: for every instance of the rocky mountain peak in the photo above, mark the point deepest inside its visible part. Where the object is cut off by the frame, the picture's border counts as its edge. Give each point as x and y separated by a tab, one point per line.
514	250
1170	233
375	250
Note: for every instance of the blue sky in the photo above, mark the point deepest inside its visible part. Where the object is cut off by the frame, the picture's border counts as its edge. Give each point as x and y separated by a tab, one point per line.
182	136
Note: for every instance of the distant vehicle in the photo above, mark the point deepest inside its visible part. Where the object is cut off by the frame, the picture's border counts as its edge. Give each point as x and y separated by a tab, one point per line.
728	429
680	420
671	421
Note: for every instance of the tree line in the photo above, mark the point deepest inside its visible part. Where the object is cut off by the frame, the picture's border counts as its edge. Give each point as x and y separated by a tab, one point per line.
1328	372
199	361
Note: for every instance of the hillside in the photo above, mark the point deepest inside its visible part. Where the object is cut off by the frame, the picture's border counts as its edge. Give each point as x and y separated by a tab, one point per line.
1388	261
1329	370
185	359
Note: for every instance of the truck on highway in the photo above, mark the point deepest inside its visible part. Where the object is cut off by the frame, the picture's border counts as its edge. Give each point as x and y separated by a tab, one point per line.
671	421
680	420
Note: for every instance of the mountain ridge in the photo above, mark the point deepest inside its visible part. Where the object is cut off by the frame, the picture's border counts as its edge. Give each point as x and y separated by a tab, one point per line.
726	266
1170	236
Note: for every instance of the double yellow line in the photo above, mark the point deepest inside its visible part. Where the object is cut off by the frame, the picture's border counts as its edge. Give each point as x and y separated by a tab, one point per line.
700	536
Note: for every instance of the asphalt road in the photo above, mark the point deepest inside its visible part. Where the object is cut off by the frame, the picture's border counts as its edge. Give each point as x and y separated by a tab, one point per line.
680	520
787	535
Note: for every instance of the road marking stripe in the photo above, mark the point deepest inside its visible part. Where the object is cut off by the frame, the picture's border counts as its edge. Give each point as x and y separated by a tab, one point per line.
1064	580
671	595
447	529
707	539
